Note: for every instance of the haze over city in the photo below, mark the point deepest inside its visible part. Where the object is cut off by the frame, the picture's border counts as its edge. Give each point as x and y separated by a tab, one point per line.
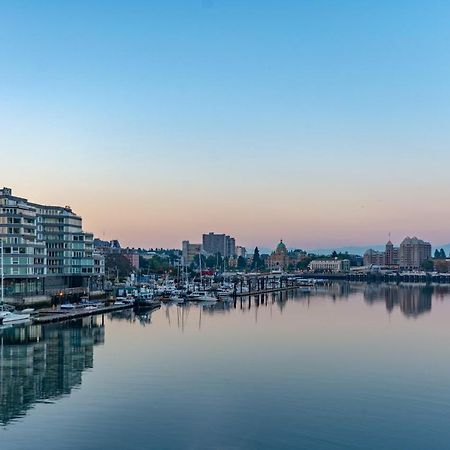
311	121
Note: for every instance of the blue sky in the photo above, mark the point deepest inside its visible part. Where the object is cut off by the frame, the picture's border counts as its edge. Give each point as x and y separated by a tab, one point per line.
321	121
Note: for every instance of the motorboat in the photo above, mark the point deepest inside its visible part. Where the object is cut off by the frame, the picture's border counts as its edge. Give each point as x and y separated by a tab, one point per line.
193	295
8	317
174	298
205	297
146	300
224	292
91	307
67	306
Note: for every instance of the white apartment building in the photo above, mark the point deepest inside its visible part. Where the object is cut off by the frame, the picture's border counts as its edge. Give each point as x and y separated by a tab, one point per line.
44	247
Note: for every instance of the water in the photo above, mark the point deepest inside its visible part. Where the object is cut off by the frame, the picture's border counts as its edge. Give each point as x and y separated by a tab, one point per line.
344	367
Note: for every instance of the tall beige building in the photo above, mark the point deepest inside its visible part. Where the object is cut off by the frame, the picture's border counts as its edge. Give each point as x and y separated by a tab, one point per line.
413	252
410	255
189	251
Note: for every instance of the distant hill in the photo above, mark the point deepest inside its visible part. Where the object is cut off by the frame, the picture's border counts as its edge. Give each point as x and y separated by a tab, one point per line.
354	250
359	250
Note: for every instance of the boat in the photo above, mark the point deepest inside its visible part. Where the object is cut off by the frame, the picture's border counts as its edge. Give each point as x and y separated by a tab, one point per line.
205	297
124	301
8	317
67	306
174	298
91	307
224	292
146	300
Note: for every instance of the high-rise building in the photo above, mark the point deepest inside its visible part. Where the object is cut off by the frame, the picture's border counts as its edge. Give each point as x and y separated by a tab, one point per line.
413	252
189	251
410	255
219	243
45	248
374	257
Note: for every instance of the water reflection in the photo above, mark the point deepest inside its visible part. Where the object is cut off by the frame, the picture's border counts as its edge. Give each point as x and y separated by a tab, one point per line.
44	363
40	363
142	316
412	299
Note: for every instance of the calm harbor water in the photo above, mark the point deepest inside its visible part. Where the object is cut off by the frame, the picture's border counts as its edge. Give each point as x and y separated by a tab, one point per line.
346	366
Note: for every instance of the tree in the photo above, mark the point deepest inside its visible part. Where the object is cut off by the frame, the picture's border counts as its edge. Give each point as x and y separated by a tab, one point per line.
427	265
441	266
442	254
304	263
156	264
256	264
241	263
210	262
437	254
334	254
117	265
196	262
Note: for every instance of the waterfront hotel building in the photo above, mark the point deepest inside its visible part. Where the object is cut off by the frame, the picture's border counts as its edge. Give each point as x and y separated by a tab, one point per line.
45	249
411	254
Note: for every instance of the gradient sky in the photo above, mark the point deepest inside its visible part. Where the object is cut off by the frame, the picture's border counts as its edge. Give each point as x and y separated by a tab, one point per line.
322	122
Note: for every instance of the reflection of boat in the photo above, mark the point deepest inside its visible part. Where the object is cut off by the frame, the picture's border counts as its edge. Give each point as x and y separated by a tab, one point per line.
146	302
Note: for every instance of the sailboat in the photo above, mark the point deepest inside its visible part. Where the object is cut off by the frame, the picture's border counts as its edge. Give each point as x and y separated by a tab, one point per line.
8	317
202	296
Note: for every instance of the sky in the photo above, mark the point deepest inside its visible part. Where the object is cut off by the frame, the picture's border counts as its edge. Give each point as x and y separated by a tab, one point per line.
324	123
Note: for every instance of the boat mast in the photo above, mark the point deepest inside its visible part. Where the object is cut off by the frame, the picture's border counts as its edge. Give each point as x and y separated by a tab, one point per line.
200	261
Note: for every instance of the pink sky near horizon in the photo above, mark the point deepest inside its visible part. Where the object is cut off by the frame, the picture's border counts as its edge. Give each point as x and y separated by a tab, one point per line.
165	217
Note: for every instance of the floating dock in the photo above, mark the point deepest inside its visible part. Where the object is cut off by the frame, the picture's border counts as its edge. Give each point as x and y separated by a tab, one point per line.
57	315
266	291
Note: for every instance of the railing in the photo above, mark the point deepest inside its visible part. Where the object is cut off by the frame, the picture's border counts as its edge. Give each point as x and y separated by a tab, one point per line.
66	291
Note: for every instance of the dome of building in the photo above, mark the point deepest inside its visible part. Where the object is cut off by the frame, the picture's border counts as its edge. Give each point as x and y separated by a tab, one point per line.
281	248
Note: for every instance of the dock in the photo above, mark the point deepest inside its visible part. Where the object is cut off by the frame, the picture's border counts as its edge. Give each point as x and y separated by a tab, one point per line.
266	291
56	315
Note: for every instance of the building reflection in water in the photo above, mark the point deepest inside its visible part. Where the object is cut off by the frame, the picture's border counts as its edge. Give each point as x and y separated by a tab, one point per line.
412	299
43	363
